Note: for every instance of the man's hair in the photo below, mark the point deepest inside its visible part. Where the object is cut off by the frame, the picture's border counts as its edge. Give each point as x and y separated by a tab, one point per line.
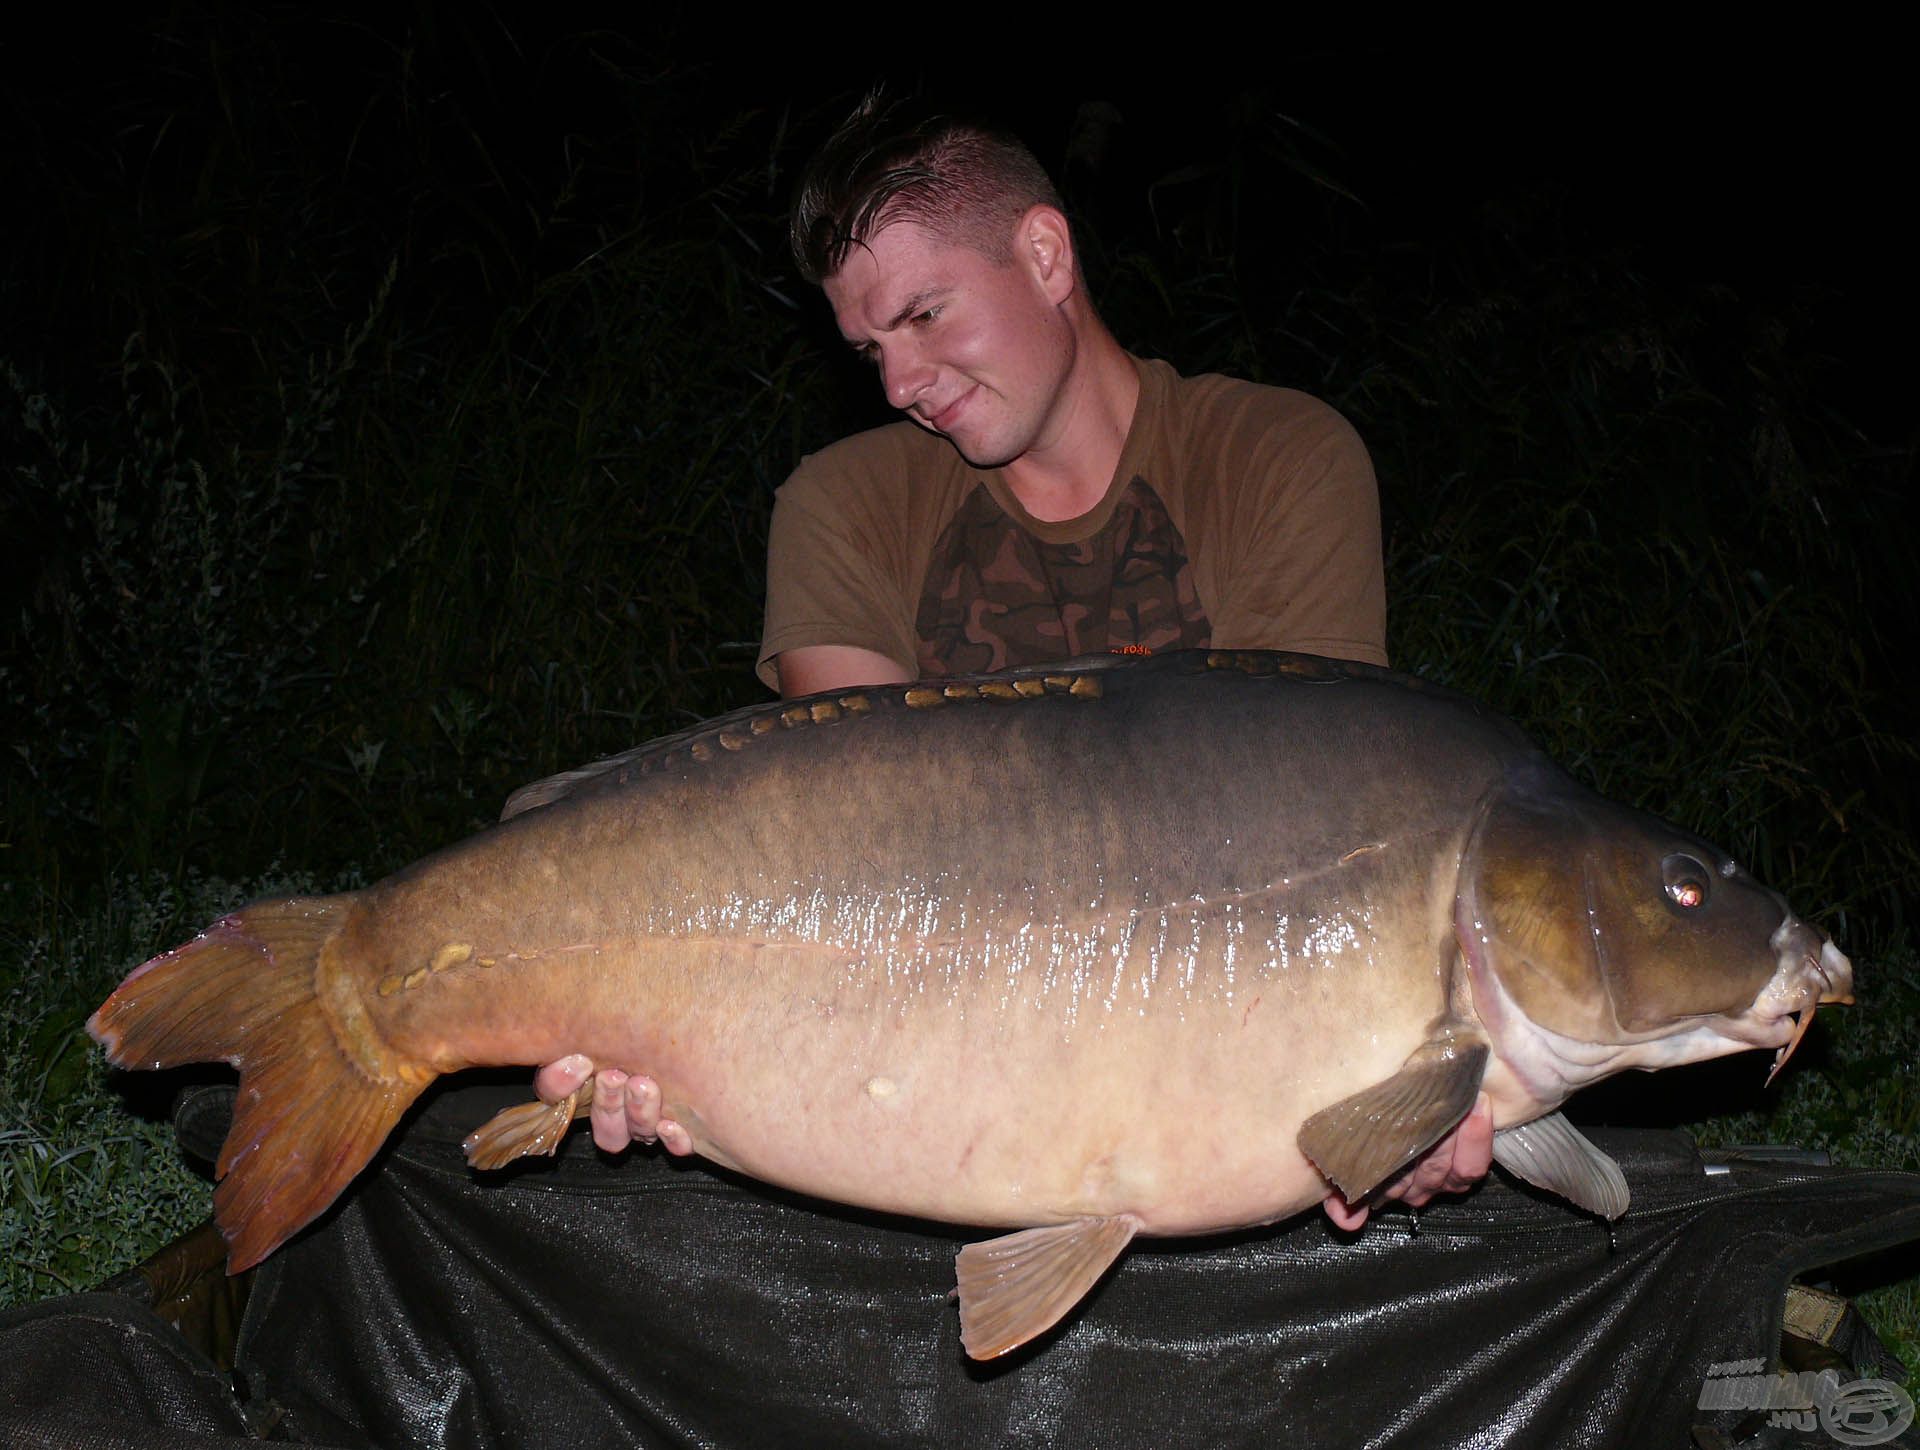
966	183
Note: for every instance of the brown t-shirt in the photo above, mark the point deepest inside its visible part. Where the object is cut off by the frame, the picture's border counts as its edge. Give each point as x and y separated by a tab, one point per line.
1239	516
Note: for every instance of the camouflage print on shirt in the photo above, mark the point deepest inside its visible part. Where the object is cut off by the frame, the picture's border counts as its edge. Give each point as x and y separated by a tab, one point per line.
995	596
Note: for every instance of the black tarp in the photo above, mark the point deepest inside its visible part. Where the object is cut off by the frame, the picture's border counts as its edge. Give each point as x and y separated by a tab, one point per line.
648	1301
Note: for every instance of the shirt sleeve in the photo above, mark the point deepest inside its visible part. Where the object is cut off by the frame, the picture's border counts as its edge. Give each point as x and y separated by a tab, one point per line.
835	562
1300	555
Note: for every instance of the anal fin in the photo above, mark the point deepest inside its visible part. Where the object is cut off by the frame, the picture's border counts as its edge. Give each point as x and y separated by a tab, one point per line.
1015	1287
1362	1141
1550	1153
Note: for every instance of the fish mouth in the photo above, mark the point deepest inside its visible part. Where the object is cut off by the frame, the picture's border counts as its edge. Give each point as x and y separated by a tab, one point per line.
1812	972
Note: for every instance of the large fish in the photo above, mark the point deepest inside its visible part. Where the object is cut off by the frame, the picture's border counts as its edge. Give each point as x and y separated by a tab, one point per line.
1111	948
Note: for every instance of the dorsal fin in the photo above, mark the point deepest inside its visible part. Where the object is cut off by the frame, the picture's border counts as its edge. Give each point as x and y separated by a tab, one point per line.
545	792
1079	677
736	730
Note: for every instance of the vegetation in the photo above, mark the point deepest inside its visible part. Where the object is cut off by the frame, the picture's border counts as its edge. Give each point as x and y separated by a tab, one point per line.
373	447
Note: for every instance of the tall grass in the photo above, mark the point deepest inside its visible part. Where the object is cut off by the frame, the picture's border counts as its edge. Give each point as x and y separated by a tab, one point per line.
380	457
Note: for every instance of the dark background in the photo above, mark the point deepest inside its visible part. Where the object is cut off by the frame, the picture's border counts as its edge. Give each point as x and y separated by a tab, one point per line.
1654	278
1773	163
391	404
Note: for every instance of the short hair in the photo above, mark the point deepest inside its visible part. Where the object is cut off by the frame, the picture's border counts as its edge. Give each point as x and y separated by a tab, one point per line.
967	183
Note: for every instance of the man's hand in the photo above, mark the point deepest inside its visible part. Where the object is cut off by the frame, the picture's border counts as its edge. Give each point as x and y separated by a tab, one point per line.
817	667
1453	1165
626	1106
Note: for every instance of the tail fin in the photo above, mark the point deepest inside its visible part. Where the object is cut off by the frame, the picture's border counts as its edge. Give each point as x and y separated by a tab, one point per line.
310	1111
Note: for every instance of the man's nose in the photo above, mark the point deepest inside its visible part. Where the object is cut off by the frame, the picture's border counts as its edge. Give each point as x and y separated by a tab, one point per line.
905	374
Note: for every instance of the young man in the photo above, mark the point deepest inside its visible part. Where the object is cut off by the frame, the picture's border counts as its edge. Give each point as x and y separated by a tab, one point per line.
1050	495
1053	495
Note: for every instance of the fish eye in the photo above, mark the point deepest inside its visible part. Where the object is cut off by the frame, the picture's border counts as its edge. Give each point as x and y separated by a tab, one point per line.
1686	880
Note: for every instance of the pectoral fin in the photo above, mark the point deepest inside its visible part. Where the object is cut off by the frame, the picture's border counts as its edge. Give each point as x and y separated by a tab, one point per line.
1549	1153
1015	1287
1362	1141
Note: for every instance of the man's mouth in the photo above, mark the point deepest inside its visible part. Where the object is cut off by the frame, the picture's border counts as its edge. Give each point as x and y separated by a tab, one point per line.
941	421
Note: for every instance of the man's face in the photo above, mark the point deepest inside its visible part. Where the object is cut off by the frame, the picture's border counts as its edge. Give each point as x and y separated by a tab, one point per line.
976	352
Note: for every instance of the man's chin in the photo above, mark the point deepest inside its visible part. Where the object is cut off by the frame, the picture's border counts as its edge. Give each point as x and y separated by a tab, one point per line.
985	462
982	453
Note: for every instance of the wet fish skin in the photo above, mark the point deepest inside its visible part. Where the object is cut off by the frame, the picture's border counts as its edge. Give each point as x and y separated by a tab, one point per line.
1125	944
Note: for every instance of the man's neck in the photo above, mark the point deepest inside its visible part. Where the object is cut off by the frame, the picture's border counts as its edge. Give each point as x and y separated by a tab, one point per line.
1069	473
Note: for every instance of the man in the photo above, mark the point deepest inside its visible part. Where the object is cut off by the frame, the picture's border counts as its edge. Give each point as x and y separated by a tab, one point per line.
1049	496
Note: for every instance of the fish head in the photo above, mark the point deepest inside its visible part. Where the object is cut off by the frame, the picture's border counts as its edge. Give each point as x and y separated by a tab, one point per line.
1603	925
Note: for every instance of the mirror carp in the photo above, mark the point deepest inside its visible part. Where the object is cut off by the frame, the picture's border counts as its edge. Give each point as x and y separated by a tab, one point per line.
1119	946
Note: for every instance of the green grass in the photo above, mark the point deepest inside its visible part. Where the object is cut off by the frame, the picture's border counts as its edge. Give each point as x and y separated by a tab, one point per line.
360	496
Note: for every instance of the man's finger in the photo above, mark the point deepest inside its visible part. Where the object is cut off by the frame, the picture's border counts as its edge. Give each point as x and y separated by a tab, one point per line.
1455	1163
643	1108
560	1079
609	1111
1344	1215
1473	1146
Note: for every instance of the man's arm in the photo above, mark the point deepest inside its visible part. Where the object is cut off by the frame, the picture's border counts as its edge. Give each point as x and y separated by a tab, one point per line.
840	602
815	667
1294	538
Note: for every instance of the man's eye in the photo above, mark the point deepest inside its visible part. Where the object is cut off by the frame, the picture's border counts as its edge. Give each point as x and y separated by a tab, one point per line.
921	319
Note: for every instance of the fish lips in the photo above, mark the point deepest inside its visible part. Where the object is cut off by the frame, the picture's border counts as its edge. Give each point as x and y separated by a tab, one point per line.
1812	972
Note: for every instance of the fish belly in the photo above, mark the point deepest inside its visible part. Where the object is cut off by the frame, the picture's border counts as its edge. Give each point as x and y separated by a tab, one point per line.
983	1088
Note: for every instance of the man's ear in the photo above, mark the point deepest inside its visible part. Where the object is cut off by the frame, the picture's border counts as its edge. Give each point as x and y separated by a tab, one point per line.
1043	243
